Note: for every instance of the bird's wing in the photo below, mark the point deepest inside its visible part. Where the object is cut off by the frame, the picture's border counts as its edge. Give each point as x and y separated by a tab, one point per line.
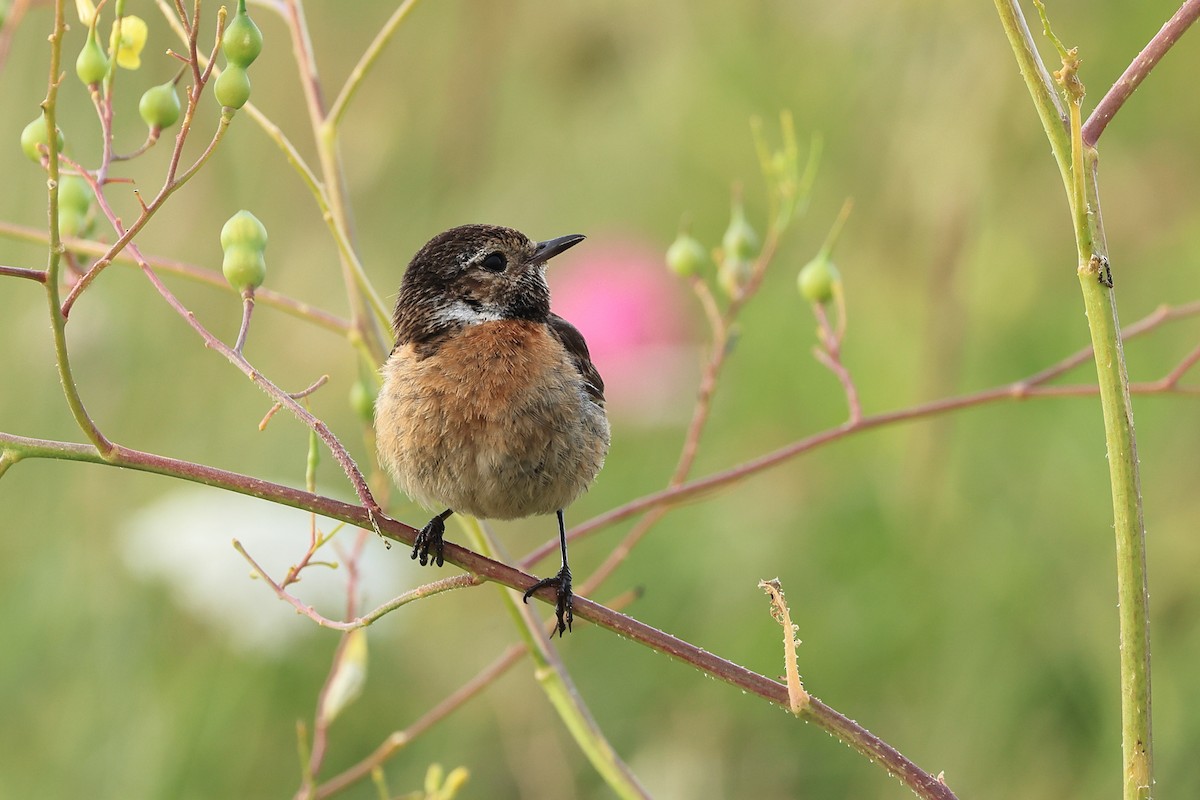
572	340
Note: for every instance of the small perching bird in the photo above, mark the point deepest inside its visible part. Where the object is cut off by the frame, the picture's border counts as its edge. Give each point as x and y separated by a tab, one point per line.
490	404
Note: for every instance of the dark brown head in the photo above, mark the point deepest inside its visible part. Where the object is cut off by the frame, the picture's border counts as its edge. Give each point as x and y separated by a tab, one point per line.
472	274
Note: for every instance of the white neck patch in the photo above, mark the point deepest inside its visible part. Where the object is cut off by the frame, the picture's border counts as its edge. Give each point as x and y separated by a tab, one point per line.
459	312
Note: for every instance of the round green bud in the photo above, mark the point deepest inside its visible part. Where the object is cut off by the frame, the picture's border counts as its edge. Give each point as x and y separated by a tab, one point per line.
92	64
740	240
244	230
74	193
160	106
244	267
817	280
242	41
686	256
362	400
233	87
34	135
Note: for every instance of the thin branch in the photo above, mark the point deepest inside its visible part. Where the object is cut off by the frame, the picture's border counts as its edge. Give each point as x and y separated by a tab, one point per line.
126	235
1040	84
365	63
340	454
38	275
58	320
1137	71
427	590
829	353
277	407
247	312
823	716
1172	378
1017	390
399	739
368	314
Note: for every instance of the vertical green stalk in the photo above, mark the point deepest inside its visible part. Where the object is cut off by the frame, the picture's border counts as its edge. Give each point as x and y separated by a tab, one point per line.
557	685
58	322
1133	604
1078	167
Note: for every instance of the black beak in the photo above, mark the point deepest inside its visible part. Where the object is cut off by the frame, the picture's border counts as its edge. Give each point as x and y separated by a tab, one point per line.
551	247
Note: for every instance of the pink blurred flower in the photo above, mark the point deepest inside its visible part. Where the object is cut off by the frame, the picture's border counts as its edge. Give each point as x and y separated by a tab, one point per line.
632	312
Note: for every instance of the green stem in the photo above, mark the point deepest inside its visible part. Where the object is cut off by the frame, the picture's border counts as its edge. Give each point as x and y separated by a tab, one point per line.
58	321
334	182
557	683
1133	602
364	65
340	236
1039	83
1077	164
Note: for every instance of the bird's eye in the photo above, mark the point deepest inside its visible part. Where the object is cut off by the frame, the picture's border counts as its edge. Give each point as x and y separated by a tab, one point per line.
494	262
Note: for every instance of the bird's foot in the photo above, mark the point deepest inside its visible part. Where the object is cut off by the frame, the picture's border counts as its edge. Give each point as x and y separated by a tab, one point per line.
428	545
562	584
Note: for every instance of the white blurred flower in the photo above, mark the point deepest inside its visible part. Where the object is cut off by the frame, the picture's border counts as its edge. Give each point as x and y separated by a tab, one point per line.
184	540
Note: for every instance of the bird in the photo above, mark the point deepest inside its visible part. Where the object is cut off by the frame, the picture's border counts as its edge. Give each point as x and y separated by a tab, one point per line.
490	404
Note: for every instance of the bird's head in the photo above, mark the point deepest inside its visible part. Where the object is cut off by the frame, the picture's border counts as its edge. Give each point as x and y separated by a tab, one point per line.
473	274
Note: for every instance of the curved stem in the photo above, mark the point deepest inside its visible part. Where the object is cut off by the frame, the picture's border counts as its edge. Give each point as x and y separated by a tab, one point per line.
333	180
58	319
334	118
1039	83
247	312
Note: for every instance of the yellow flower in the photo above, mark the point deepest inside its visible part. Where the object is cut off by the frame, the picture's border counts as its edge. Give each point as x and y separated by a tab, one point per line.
87	11
128	41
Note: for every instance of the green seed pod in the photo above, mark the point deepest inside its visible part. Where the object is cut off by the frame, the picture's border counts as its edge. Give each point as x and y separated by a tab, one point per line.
74	193
686	256
92	64
244	268
160	106
242	41
740	240
243	238
34	135
362	400
817	280
244	230
233	87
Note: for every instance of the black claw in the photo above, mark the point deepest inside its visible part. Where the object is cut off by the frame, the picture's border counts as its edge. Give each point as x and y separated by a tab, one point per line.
562	608
430	539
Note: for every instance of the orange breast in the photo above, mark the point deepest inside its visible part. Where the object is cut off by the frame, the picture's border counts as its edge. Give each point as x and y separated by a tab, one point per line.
495	423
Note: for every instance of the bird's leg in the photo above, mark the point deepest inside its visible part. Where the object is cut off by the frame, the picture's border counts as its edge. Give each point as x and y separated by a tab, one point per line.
561	582
428	544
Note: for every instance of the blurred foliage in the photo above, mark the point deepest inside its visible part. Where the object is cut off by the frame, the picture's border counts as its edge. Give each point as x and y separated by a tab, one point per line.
952	579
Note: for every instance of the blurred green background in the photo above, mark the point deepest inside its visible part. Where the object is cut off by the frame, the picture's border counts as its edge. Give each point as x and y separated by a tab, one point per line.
952	579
